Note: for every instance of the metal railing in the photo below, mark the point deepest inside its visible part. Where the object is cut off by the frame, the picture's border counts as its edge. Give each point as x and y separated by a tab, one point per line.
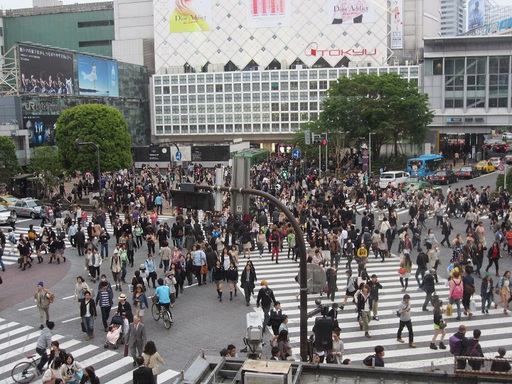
462	366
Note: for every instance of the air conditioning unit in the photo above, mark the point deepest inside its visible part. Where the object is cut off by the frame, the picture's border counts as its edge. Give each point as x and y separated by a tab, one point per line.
284	64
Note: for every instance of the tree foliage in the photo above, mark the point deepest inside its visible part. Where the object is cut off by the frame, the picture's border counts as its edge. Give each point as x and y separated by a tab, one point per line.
9	165
101	125
386	105
45	163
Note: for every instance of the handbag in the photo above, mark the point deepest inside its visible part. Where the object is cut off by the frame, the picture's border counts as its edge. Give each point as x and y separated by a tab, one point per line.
330	359
204	269
401	271
449	310
125	350
161	265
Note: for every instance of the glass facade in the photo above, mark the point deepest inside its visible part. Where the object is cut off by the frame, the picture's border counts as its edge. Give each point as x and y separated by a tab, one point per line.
251	102
474	82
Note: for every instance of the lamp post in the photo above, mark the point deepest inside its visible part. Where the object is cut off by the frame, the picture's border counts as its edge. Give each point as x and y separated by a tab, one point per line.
369	154
80	143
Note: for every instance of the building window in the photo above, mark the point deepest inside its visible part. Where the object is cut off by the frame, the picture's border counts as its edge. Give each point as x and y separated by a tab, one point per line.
476	72
499	72
454	83
95	43
96	23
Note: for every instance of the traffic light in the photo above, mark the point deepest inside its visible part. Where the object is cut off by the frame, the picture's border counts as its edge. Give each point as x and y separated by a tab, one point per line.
172	176
319	140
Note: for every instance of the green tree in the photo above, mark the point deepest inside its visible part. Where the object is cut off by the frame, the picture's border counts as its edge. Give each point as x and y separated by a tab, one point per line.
9	165
45	162
99	124
387	106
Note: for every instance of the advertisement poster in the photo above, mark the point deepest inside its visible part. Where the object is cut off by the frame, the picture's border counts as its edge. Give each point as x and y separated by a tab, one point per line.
397	25
350	11
97	77
45	70
476	11
41	130
268	13
190	16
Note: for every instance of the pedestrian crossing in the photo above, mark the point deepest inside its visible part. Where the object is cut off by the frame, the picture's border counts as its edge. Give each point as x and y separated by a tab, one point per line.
111	367
10	256
494	326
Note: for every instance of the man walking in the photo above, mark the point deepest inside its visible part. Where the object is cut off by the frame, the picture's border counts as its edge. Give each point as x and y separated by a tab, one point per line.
143	374
88	314
266	298
446	231
43	343
42	298
428	286
104	299
198	260
404	309
475	350
421	262
136	338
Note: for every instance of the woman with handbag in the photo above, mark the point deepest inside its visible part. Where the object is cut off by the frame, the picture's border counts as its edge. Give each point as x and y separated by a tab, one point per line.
71	371
335	356
439	325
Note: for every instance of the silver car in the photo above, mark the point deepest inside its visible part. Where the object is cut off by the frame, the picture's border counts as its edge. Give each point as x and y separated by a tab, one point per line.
4	215
28	207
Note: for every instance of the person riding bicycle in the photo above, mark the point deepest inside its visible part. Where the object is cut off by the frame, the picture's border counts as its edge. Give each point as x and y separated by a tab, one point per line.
163	293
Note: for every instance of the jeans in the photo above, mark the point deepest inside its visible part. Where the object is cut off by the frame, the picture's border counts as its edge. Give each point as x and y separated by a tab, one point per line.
407	324
88	324
419	271
486	300
44	358
104	250
495	262
457	302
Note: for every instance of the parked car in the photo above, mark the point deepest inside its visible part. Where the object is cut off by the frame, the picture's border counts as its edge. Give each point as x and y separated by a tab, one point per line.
395	178
467	172
443	177
418	183
485	166
495	160
4	215
28	207
499	147
8	200
508	159
507	136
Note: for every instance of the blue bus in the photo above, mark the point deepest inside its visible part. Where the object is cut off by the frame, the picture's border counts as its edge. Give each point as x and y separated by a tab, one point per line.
425	165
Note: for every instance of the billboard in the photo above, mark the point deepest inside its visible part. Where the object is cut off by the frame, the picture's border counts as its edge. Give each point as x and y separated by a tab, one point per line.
46	71
397	24
97	77
41	130
190	16
350	11
475	14
268	13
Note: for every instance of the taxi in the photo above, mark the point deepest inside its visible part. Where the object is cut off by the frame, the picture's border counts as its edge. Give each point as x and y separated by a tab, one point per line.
485	166
8	200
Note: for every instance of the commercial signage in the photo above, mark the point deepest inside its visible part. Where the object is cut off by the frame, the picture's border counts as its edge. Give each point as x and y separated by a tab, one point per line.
313	50
268	13
397	25
41	130
476	14
350	11
45	71
97	77
190	16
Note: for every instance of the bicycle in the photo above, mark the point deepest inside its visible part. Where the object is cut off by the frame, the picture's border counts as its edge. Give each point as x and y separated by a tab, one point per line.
25	371
161	313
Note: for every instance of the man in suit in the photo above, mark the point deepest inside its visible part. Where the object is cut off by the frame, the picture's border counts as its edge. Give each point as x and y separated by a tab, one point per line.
143	374
136	338
446	231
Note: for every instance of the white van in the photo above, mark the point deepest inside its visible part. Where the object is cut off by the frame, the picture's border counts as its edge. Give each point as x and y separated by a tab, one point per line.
394	177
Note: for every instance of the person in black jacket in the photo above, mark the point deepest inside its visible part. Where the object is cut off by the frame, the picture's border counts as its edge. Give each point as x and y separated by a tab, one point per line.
247	281
331	277
266	298
474	350
446	231
461	335
276	318
88	314
143	374
232	278
218	277
421	262
428	285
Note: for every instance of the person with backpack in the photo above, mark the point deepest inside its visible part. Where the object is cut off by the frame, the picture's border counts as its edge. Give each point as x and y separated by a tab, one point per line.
376	360
456	292
468	291
459	345
421	262
474	349
503	289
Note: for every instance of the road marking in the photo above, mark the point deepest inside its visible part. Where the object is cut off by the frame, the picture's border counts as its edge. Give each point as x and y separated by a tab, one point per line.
70	320
68	297
24	309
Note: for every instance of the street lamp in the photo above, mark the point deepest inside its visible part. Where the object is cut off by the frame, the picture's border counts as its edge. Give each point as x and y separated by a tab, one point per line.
80	143
370	154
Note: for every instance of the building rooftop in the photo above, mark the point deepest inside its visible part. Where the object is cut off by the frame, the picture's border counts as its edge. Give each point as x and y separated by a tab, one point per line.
37	11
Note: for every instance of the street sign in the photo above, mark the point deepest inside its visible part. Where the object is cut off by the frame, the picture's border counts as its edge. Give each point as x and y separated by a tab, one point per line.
178	156
365	160
296	153
365	152
365	167
501	167
307	137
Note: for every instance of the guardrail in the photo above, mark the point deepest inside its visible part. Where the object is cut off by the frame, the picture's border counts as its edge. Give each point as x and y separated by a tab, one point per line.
485	369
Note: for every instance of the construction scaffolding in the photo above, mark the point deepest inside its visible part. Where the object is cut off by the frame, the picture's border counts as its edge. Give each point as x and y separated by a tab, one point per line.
10	73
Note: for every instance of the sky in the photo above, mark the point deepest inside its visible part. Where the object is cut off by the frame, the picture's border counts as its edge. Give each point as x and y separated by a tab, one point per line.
16	4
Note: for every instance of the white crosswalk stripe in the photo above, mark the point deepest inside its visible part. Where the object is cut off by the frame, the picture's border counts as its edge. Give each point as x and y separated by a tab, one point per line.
19	341
281	279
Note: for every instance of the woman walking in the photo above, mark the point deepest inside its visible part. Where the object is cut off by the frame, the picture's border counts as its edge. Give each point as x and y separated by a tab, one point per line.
504	291
80	288
494	256
439	326
152	359
261	240
218	278
405	267
232	279
140	302
247	281
486	292
364	309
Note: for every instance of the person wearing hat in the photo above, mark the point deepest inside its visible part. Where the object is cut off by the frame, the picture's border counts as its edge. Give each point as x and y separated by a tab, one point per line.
428	285
486	290
266	298
42	298
124	308
404	310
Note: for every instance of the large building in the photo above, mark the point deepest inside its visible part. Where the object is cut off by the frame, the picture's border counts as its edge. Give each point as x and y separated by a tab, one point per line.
453	17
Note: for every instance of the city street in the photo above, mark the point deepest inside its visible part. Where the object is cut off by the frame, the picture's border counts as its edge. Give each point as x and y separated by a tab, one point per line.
201	322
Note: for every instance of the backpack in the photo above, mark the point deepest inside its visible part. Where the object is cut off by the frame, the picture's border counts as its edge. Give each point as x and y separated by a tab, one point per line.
51	296
369	360
469	288
455	345
458	290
